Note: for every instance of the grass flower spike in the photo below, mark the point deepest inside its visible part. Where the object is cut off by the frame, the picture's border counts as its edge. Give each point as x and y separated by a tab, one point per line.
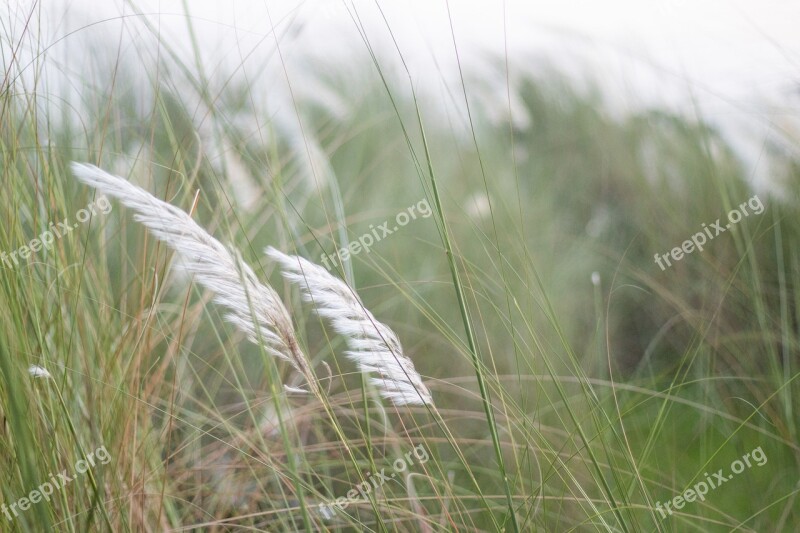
374	347
253	307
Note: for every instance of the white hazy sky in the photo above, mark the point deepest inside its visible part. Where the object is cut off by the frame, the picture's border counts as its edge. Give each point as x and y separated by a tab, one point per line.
735	62
735	47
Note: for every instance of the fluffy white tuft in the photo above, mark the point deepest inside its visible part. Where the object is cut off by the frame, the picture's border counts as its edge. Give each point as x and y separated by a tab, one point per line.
253	307
38	372
373	346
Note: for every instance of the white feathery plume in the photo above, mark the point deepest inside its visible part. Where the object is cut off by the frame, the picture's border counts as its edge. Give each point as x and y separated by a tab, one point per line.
374	347
254	308
38	372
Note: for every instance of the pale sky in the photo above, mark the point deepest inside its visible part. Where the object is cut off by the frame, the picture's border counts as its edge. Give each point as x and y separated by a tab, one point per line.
737	63
735	46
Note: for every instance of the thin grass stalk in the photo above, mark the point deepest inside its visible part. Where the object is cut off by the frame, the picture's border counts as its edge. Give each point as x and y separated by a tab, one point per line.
476	362
92	479
437	417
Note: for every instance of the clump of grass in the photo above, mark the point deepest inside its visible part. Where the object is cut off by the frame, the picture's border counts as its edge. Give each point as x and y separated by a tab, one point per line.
559	404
